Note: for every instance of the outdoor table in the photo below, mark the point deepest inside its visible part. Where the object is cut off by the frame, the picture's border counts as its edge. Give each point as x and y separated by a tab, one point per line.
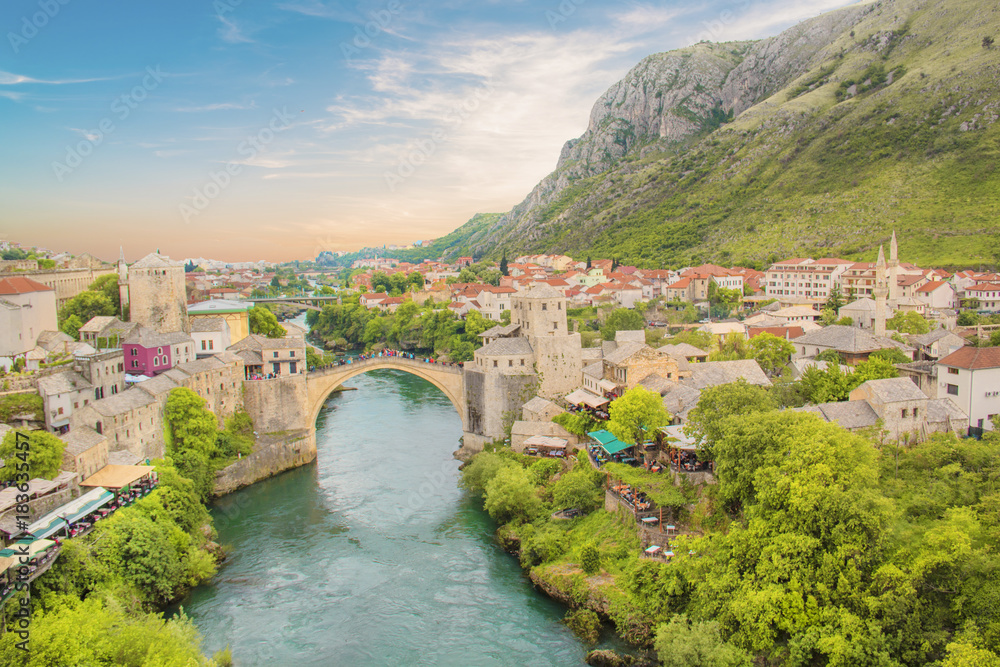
651	520
653	549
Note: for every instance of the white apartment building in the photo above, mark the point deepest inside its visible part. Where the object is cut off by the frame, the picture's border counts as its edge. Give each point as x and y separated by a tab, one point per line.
805	278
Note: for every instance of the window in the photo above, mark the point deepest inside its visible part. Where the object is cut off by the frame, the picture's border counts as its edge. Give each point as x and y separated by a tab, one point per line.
135	352
135	363
159	350
916	412
276	368
211	344
494	363
522	362
293	353
906	413
545	306
953	371
953	389
275	355
293	368
510	363
60	410
203	345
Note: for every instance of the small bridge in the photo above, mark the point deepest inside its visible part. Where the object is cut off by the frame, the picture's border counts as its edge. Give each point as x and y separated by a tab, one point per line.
307	302
449	378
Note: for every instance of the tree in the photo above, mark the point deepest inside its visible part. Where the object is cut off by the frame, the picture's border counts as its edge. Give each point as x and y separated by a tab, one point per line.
621	319
579	489
71	326
86	306
636	415
967	318
263	322
910	322
771	352
511	496
503	265
835	301
108	286
40	450
682	643
892	354
987	42
731	348
191	438
275	282
707	421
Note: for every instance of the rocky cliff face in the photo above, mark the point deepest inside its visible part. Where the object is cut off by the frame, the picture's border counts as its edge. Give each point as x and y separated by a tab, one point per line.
670	97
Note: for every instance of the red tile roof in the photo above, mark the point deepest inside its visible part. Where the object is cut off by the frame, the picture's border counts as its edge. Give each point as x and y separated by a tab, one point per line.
983	287
781	332
973	358
21	285
931	286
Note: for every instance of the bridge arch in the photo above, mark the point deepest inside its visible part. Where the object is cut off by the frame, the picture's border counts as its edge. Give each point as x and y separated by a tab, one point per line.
321	383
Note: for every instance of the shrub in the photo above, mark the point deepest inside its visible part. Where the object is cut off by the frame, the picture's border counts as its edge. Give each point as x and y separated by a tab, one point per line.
585	624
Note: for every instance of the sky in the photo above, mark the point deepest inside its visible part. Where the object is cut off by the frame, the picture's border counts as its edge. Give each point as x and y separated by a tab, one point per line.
243	130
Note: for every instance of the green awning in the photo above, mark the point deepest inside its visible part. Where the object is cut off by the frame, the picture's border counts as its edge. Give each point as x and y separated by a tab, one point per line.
609	443
72	511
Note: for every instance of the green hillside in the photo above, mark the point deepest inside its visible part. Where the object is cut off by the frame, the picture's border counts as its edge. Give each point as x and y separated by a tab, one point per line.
897	129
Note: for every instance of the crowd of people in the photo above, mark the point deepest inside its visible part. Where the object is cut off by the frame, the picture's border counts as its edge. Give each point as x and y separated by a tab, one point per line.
344	361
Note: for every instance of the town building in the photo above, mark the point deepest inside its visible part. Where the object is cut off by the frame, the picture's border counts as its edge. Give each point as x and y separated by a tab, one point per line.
27	308
236	315
812	279
150	353
853	344
154	291
264	356
211	335
970	378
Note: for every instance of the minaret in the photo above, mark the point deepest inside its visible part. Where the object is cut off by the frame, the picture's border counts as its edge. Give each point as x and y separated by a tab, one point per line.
880	292
122	281
893	277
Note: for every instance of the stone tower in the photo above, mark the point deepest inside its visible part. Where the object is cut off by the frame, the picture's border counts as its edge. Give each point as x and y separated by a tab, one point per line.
157	294
881	292
541	314
893	277
123	282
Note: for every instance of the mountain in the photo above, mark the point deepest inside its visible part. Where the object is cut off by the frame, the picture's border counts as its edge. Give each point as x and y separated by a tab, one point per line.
820	140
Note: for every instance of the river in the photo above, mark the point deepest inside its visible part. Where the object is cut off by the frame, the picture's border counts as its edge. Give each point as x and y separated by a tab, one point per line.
373	555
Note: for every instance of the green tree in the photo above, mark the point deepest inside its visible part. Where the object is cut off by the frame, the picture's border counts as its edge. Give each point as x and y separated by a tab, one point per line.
731	348
191	434
708	421
682	643
578	489
481	471
835	301
910	322
42	452
636	415
892	354
771	352
108	286
503	266
71	326
86	306
275	281
264	323
621	319
511	496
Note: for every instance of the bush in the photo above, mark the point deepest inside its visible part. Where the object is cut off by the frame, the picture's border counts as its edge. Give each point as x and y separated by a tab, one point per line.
511	496
590	559
585	624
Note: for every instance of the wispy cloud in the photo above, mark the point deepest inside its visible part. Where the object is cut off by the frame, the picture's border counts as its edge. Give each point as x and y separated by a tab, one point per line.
10	79
232	33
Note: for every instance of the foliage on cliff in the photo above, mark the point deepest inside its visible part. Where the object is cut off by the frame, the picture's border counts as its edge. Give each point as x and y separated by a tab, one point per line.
429	329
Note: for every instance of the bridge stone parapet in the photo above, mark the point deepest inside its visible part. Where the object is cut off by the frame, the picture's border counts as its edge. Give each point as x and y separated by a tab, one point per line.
448	378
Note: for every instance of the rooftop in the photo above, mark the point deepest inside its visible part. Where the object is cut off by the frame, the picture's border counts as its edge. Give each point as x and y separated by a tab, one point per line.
849	339
973	358
713	373
22	285
506	347
893	390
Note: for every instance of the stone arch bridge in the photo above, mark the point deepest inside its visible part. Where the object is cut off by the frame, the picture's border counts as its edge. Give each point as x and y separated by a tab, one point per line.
321	382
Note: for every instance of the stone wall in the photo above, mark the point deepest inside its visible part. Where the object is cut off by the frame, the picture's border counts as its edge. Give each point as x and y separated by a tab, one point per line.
271	455
277	405
558	362
492	398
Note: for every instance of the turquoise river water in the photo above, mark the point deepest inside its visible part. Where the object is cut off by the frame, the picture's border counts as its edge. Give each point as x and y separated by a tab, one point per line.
373	555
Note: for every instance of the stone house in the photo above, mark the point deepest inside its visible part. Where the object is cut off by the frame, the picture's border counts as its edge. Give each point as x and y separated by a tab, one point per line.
271	356
539	409
631	362
687	351
106	331
235	314
853	344
131	420
935	344
85	452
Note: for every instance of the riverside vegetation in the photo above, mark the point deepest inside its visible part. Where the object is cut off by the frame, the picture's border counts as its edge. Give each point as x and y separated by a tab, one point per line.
100	602
816	546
